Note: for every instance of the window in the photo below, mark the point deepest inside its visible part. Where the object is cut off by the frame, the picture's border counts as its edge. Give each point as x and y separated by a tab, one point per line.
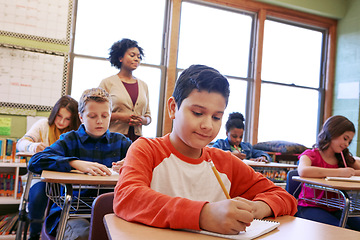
291	87
292	71
99	25
207	38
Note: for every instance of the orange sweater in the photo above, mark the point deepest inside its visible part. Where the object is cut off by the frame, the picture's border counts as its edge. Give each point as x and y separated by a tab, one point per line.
160	187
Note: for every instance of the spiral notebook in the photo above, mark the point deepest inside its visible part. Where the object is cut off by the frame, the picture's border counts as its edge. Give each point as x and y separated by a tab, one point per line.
346	179
256	229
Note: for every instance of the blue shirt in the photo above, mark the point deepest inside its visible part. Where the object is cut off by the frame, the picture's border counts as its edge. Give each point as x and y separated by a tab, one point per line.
247	149
77	145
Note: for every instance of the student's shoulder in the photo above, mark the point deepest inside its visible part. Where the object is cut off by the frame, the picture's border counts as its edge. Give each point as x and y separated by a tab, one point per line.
43	122
119	137
219	143
69	135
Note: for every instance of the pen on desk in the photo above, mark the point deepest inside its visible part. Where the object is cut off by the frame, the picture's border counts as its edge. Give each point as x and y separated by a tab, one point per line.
219	179
342	155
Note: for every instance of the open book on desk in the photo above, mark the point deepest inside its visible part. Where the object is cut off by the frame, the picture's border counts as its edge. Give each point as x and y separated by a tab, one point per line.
346	179
256	229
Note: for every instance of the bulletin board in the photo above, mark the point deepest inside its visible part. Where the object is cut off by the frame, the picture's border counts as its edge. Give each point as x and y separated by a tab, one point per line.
31	78
40	20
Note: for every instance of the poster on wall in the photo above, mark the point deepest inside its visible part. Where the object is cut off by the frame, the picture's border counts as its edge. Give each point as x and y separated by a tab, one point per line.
41	20
31	80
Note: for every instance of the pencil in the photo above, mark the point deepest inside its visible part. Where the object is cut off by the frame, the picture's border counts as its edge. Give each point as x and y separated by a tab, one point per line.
237	148
342	155
219	179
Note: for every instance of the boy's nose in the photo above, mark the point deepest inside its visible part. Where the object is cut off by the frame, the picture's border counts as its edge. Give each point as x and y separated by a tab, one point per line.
206	123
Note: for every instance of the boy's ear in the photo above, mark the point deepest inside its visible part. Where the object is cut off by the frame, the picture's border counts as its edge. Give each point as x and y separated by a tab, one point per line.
80	117
171	106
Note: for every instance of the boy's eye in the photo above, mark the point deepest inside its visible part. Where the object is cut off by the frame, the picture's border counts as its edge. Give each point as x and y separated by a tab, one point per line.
217	118
197	113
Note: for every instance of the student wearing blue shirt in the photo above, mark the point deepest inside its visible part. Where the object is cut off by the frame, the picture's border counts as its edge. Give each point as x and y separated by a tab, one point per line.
91	149
233	143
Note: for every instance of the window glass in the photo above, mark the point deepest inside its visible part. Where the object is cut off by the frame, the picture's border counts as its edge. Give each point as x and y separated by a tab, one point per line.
291	54
88	73
288	114
101	23
207	38
237	103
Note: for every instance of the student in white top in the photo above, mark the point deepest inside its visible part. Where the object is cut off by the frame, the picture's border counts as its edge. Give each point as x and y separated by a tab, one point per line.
63	118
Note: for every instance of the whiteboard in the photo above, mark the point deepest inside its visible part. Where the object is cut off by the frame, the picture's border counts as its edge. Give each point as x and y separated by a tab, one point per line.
31	80
41	20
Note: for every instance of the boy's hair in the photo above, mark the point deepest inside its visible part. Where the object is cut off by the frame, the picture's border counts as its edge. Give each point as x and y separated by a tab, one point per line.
119	48
201	78
69	104
96	95
334	127
235	120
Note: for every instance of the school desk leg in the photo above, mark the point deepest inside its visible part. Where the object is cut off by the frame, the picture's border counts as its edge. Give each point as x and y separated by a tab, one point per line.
65	212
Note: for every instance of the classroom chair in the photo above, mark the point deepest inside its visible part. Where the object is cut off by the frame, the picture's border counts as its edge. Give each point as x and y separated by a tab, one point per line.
292	187
102	205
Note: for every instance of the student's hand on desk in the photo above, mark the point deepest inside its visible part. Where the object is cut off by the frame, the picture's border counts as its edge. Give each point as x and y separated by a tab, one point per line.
240	155
40	147
117	165
226	217
259	209
346	172
92	168
260	159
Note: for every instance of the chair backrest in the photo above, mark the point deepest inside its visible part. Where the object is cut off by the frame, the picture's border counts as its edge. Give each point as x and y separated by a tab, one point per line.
292	187
101	206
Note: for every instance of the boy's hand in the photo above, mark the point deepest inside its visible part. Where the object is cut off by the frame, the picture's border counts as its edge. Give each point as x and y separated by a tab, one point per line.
117	165
226	217
92	168
259	208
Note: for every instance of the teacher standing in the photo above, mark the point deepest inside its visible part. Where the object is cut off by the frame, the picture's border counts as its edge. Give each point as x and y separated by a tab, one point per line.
130	95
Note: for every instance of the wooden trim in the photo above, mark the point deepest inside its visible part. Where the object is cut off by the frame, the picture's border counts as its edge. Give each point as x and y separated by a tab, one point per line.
263	10
330	73
253	6
257	78
172	60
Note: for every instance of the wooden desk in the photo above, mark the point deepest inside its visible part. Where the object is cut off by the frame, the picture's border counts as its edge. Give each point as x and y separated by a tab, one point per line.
349	191
276	172
68	180
290	228
24	154
269	165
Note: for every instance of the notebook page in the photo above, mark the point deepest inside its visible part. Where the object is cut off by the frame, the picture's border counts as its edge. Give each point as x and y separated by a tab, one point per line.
256	229
347	179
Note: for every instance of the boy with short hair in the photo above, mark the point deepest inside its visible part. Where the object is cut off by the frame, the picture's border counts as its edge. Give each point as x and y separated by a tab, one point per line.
167	182
91	149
